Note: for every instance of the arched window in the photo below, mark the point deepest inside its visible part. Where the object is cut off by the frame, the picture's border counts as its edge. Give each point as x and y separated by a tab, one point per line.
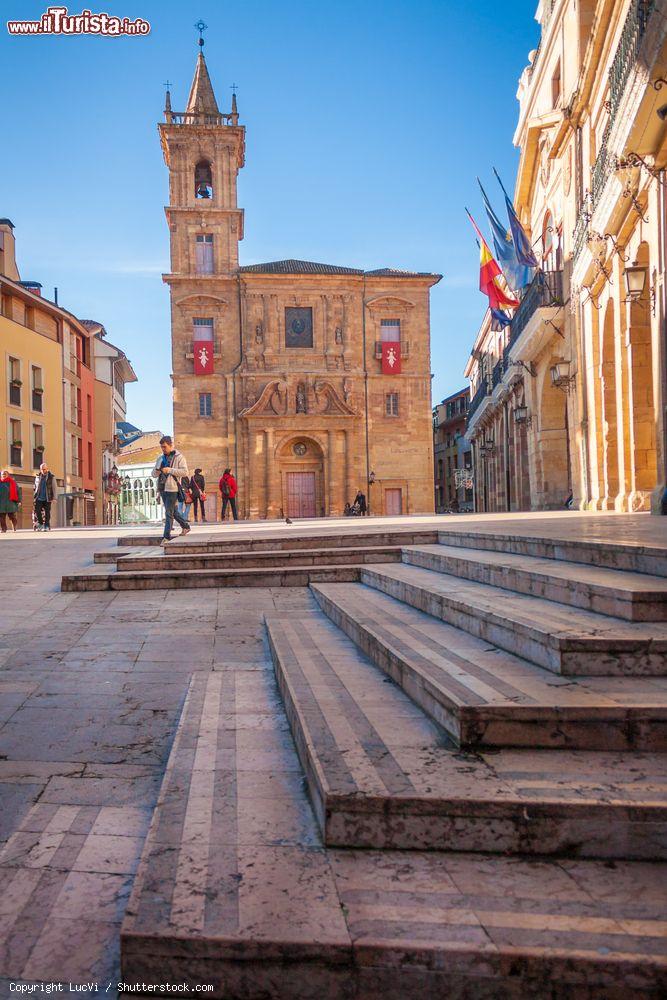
203	180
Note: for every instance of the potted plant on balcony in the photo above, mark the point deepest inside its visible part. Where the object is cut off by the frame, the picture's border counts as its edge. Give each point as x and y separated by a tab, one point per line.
16	382
39	390
17	444
40	447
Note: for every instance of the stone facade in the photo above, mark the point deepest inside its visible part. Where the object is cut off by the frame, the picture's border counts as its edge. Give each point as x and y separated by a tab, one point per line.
297	405
452	453
568	401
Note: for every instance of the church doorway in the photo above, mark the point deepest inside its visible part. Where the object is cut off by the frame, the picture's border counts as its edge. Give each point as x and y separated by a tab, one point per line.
301	463
300	494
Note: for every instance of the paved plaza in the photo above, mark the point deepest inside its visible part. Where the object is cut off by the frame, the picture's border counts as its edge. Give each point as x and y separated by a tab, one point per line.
92	688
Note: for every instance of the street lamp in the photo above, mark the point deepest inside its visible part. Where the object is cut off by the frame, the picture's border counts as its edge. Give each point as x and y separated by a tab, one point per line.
371	480
521	415
635	281
560	376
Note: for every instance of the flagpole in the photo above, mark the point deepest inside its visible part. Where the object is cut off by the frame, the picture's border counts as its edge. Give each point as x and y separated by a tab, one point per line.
502	186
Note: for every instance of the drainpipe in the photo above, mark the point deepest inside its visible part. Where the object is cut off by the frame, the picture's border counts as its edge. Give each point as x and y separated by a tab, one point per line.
363	343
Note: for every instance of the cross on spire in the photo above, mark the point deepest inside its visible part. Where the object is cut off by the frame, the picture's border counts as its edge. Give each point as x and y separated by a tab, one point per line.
201	28
167	85
234	87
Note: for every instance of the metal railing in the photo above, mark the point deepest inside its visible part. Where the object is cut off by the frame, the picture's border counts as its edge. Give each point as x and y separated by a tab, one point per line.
497	373
627	52
546	289
483	390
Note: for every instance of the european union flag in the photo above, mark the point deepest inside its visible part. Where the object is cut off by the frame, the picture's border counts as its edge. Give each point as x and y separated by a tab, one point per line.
517	275
523	249
499	320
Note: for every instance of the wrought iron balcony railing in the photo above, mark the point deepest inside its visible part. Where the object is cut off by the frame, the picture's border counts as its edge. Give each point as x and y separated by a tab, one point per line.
627	52
483	390
546	289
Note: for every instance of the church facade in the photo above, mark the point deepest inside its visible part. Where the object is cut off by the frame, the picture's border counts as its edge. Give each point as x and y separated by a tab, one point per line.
310	381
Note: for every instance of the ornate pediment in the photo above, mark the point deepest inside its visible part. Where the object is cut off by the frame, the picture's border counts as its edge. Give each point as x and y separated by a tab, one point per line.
328	400
272	401
389	302
193	297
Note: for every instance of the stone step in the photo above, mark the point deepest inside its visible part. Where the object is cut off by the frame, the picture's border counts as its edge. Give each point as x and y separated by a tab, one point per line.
621	594
118	555
566	640
629	555
288	576
262	559
197	543
235	891
485	697
381	774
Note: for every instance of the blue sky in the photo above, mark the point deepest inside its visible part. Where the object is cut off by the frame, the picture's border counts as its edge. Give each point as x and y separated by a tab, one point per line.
367	124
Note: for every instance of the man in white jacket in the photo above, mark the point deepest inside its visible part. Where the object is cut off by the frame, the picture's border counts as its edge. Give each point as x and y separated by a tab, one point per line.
169	469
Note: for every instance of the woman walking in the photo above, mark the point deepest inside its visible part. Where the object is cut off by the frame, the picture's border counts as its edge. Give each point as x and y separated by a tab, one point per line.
228	491
10	500
198	486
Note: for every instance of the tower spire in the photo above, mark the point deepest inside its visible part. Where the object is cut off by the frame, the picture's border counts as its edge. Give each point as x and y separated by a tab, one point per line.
202	99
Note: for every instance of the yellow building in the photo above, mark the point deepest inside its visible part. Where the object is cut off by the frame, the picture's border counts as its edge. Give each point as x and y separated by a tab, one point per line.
568	400
31	380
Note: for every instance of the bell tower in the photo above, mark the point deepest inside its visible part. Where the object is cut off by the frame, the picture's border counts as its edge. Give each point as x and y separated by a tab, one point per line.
204	150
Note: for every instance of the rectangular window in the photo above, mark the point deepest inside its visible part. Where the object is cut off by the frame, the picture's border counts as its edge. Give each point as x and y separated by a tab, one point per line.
204	254
299	327
205	404
391	404
37	445
90	459
390	331
15	444
14	371
37	389
202	328
89	413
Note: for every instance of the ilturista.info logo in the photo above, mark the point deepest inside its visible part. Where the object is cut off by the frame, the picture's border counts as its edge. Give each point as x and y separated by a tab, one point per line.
58	21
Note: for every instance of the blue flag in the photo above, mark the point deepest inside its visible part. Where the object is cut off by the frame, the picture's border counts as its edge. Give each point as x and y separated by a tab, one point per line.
516	274
524	251
499	320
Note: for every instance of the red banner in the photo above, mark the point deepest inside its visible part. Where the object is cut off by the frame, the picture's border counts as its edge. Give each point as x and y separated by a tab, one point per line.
203	354
391	357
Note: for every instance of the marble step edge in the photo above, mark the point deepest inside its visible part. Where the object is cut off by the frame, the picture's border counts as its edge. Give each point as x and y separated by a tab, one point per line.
286	543
511	825
619	601
612	555
603	727
205	560
581	654
285	576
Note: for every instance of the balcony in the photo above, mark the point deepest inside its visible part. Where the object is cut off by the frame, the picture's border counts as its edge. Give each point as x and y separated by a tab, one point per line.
544	292
606	160
195	118
483	392
15	393
37	400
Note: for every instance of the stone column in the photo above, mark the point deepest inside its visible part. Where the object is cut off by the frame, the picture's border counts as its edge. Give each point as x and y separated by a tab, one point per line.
271	473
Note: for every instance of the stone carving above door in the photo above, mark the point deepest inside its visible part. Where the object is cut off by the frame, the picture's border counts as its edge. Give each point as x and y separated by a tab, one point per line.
272	401
328	400
277	400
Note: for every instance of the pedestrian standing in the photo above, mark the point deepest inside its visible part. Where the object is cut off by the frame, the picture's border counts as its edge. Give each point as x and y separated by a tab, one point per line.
360	501
169	469
10	501
44	495
198	485
228	491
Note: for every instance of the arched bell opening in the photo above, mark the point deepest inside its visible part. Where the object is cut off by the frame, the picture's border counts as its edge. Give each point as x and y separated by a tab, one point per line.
203	180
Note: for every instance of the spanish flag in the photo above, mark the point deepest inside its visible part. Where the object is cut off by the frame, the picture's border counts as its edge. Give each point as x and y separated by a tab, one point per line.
491	282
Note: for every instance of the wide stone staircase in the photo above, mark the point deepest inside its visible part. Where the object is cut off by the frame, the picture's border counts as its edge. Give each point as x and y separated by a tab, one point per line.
479	722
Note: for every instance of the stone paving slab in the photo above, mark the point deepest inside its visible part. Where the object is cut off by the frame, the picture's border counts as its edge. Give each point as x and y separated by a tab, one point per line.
566	640
484	696
621	594
98	578
381	774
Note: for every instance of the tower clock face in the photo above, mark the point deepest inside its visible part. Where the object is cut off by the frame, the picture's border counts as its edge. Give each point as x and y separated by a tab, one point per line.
299	327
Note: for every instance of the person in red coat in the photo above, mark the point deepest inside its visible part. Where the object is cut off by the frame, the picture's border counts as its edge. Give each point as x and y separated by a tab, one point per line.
228	491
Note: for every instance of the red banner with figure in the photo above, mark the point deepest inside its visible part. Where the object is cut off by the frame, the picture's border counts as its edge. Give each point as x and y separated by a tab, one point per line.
203	354
391	357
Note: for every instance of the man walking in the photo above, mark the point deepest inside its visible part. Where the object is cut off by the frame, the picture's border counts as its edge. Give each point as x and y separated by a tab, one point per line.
44	495
228	491
169	469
